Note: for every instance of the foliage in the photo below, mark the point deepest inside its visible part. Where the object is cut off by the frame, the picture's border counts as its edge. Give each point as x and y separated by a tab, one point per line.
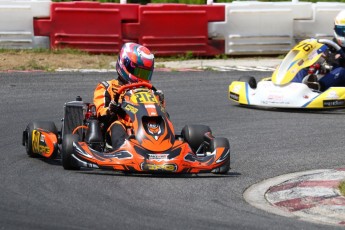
342	188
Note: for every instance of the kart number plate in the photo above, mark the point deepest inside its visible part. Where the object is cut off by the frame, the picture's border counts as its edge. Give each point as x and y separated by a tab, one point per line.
144	98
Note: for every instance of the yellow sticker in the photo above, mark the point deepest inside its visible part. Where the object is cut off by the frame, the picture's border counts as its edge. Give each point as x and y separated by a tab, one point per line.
131	109
35	141
36	147
143	97
165	167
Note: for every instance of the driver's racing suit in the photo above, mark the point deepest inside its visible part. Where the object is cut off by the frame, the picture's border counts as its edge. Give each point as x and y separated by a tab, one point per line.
113	118
334	77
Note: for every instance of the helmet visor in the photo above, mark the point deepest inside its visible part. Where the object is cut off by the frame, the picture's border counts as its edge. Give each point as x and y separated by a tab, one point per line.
141	73
339	30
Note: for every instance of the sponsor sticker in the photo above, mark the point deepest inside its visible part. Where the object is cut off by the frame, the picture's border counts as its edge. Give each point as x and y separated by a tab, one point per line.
131	109
234	96
37	141
332	95
158	157
237	88
164	167
275	97
333	103
150	106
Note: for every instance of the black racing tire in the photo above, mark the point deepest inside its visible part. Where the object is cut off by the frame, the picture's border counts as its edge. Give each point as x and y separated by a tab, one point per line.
46	125
221	142
68	162
194	135
250	80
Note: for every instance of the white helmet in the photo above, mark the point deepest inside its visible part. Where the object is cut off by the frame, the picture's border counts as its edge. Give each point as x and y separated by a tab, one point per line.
339	28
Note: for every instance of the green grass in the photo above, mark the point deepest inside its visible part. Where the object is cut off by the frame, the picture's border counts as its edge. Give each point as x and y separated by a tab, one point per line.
182	57
342	188
44	51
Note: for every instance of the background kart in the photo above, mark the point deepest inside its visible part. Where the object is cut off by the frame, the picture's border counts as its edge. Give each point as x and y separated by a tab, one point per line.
279	92
151	147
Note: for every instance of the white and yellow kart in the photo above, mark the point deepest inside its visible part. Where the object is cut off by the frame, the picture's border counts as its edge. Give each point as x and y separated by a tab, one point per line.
279	92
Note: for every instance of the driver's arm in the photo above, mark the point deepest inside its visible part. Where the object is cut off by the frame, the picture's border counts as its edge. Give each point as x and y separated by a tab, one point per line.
160	97
102	98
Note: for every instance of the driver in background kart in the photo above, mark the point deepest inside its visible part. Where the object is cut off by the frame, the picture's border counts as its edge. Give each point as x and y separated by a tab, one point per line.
135	63
333	65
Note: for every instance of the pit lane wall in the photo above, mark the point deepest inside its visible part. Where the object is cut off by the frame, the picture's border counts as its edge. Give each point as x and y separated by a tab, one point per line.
237	28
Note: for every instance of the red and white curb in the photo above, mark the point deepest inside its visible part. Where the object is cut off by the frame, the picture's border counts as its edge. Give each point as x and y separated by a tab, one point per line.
310	196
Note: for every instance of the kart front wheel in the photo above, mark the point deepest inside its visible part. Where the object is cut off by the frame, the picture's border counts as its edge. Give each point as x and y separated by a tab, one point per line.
68	162
221	142
194	135
27	135
250	80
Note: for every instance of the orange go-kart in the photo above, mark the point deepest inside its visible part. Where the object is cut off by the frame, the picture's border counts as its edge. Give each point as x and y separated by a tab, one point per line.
151	146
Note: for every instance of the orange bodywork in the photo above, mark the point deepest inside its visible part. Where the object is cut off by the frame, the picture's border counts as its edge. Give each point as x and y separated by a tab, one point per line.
133	158
44	142
154	147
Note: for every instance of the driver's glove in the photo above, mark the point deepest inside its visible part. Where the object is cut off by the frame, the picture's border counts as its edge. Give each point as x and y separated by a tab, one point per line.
160	95
113	108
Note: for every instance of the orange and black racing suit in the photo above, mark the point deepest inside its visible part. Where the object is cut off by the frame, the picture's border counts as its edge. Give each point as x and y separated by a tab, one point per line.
104	93
115	125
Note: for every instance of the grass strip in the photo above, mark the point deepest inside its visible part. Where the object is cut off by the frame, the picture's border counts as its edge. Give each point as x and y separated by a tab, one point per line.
342	188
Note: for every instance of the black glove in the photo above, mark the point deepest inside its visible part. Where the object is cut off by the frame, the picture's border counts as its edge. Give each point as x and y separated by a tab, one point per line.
114	108
160	95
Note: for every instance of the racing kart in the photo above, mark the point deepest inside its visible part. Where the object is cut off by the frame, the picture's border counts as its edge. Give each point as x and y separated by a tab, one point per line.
151	146
278	91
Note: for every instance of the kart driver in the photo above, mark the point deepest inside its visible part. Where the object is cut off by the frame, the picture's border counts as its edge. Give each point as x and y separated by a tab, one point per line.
135	63
334	74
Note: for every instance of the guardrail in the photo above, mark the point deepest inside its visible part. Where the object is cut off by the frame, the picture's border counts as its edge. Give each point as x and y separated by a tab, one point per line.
16	27
238	28
89	26
170	29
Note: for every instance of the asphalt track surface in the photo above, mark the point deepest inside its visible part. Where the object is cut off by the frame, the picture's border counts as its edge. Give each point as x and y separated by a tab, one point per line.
38	194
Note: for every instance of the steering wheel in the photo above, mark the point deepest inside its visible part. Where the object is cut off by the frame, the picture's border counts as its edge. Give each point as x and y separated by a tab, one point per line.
333	45
132	86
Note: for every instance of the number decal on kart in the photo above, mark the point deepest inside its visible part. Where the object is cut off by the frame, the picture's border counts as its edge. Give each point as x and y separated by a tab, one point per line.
145	97
305	46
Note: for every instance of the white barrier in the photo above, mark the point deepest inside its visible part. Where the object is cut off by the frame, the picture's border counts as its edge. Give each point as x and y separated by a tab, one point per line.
249	27
259	27
321	24
16	23
273	27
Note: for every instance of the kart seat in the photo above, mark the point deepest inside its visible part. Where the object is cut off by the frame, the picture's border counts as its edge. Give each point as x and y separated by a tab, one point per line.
94	133
312	82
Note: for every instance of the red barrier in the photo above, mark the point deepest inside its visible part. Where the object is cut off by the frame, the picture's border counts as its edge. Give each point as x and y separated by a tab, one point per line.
90	26
170	29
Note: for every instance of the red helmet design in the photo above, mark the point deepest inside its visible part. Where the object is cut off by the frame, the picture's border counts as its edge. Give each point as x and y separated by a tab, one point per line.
135	63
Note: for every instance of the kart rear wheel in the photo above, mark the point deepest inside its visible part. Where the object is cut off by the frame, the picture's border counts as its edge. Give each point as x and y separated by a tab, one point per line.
27	138
221	142
68	162
250	80
194	135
